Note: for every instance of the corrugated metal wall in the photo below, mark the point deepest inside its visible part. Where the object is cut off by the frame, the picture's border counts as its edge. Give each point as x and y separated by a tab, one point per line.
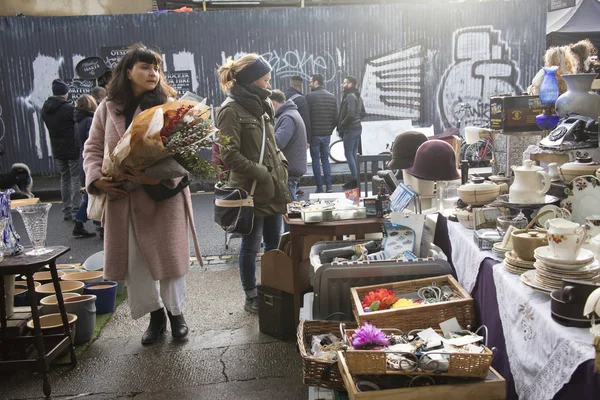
413	61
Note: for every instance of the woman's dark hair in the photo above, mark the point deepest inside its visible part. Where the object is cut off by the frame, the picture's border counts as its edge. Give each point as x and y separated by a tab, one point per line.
119	88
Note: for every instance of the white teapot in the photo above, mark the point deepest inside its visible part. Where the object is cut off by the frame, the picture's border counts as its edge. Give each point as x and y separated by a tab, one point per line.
530	185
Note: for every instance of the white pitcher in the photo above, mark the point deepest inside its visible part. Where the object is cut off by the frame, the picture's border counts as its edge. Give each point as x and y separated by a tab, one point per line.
530	185
565	238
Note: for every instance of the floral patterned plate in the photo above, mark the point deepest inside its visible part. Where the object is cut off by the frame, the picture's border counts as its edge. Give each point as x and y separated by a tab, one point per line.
528	279
583	198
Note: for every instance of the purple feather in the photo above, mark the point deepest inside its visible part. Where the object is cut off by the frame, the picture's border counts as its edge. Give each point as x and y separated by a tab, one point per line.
369	336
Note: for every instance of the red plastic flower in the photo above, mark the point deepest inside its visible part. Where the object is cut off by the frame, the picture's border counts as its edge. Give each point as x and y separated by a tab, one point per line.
385	297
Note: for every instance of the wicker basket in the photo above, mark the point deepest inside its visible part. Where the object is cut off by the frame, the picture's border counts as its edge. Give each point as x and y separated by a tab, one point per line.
416	317
373	362
317	371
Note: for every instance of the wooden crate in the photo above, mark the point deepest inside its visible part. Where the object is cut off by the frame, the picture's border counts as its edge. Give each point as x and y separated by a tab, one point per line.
491	388
417	317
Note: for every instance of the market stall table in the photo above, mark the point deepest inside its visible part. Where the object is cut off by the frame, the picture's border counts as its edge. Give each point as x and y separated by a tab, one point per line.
28	265
335	229
539	358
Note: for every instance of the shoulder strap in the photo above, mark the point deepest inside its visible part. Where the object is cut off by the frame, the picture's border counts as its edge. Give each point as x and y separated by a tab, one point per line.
262	151
295	96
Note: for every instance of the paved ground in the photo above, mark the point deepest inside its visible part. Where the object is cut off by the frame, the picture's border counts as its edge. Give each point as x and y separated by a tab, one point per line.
226	357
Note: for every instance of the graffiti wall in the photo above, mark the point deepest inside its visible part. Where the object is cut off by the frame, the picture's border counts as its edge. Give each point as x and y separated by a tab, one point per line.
416	62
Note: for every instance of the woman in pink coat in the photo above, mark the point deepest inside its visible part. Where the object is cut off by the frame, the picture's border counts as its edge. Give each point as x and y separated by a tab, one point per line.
146	237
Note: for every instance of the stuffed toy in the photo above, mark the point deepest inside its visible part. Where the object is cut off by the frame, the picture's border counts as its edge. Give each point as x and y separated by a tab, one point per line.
564	59
583	51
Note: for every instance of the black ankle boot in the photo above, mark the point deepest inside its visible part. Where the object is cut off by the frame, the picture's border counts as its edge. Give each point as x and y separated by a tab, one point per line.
179	328
158	325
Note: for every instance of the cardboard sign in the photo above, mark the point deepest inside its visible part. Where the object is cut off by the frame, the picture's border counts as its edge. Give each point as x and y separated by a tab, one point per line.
77	87
90	68
112	54
180	80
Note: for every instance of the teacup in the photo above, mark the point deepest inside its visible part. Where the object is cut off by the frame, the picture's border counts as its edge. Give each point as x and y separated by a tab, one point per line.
565	238
592	224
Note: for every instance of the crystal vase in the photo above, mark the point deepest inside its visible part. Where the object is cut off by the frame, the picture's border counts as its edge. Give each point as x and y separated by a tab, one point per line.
8	236
35	217
578	99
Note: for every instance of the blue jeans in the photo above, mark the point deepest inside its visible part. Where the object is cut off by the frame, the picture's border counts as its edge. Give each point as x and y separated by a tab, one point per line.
81	215
292	185
70	185
319	150
267	228
351	140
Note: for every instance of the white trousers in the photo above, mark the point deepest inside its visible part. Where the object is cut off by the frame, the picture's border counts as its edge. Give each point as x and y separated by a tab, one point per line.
144	293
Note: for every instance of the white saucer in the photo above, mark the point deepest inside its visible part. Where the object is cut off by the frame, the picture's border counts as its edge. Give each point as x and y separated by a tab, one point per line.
584	257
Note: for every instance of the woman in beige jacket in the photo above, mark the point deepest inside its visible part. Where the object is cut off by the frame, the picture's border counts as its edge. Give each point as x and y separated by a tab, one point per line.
146	241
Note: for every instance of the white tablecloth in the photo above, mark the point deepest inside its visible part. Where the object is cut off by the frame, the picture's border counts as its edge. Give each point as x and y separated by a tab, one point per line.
542	353
466	256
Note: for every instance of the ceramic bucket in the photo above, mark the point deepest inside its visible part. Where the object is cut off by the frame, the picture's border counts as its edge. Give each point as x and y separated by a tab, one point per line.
565	238
106	293
85	308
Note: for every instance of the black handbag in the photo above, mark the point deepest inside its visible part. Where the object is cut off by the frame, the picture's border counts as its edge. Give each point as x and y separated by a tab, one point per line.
234	207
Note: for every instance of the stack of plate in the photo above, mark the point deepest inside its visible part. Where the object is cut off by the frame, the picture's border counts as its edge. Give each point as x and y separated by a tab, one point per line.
550	271
515	265
499	251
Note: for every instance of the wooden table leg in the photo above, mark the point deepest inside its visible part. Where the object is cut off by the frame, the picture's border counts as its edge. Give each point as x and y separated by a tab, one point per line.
296	243
37	333
63	310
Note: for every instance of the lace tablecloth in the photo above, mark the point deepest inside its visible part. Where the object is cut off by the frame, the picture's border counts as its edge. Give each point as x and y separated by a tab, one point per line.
543	354
466	256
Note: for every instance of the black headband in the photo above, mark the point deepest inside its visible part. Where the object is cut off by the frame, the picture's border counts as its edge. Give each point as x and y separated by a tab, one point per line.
258	68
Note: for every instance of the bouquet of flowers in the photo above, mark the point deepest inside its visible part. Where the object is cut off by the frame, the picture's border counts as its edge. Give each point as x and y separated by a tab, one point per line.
164	142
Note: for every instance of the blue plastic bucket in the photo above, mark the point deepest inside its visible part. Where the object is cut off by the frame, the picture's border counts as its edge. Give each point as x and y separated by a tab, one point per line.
106	295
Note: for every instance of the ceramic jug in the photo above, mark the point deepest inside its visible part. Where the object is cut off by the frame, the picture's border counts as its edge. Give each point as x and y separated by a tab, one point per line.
595	246
530	185
565	238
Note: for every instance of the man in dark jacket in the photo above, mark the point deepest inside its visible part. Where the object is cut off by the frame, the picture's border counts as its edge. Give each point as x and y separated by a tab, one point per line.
349	127
323	111
290	135
57	114
294	93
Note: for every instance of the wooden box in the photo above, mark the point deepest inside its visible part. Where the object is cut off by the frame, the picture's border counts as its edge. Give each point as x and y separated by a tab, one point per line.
493	387
422	316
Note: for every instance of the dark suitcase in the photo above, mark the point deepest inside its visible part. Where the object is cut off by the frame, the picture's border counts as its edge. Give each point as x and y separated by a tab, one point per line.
332	282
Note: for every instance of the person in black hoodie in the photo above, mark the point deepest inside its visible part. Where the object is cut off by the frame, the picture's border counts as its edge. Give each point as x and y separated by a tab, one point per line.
57	114
349	127
85	106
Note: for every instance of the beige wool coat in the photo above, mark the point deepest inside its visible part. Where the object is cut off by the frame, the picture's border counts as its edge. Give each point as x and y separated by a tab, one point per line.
160	227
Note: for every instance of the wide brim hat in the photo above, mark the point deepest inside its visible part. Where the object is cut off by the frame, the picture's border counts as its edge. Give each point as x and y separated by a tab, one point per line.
435	161
405	148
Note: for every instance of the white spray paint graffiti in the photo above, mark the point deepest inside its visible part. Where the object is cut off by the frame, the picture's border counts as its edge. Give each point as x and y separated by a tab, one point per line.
45	70
301	63
2	127
481	67
392	84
